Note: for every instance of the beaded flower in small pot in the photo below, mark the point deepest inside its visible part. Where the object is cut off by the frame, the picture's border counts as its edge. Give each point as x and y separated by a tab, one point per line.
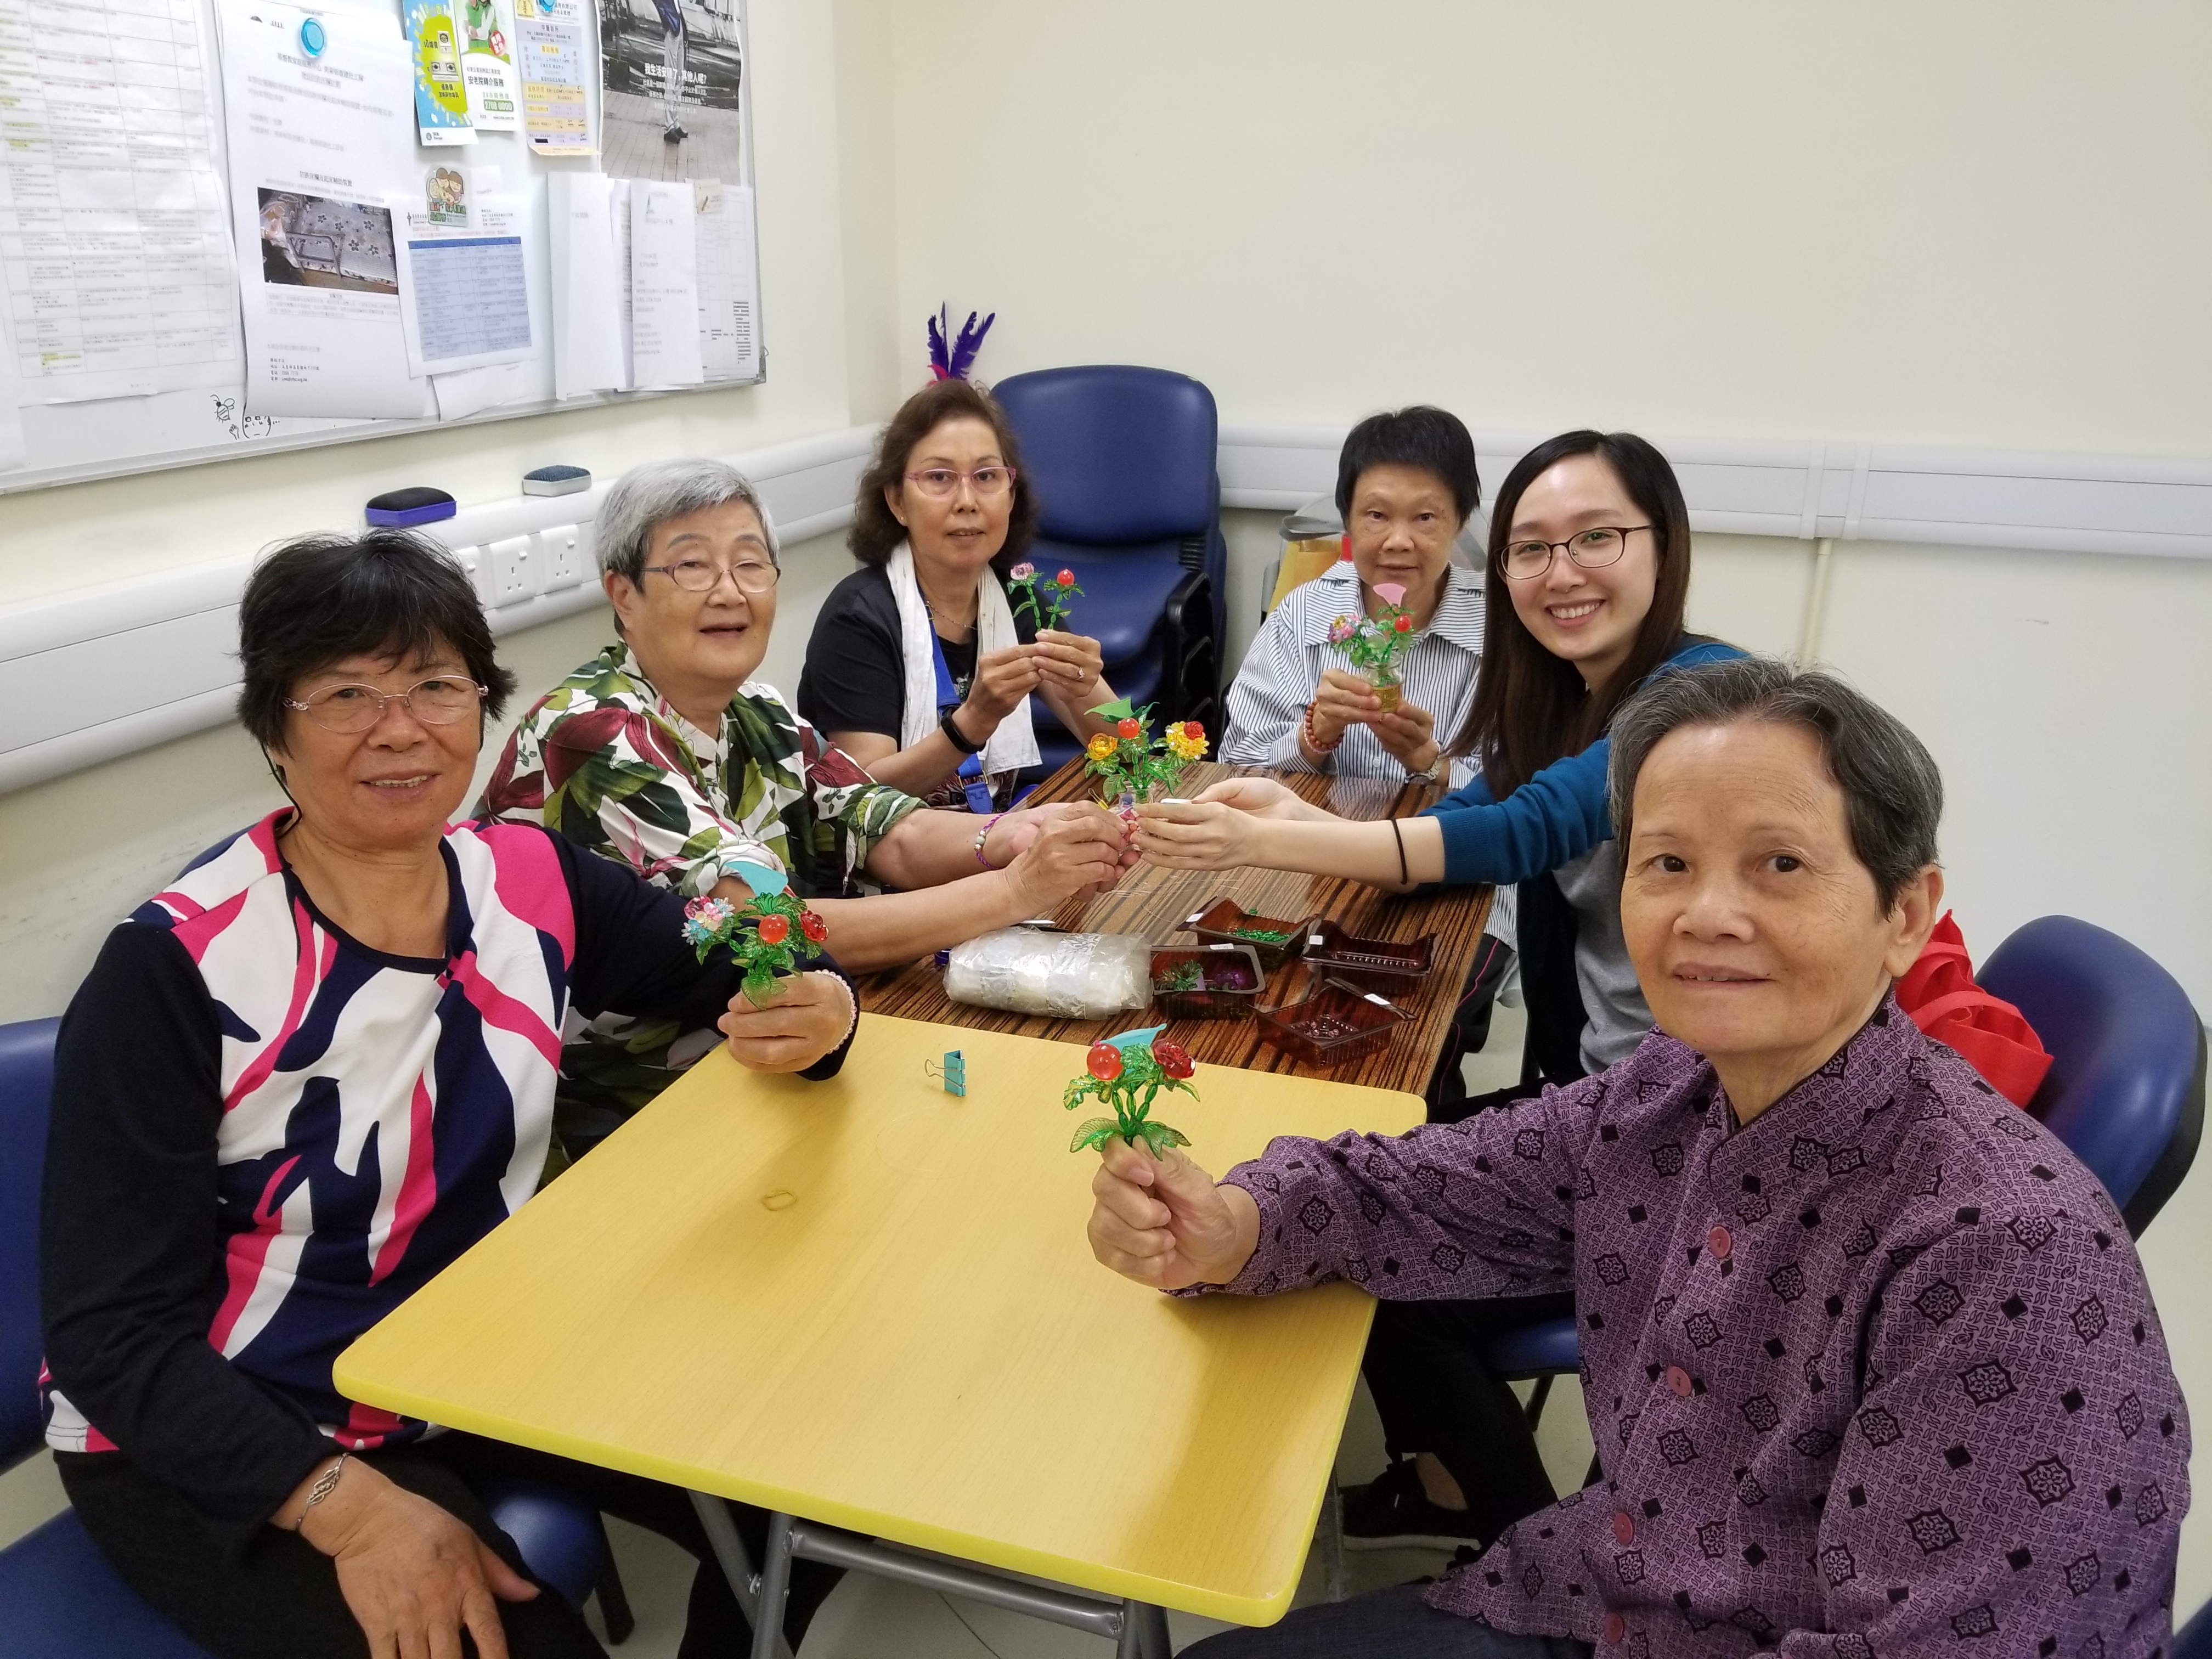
766	938
1134	766
1125	1072
1373	642
1022	582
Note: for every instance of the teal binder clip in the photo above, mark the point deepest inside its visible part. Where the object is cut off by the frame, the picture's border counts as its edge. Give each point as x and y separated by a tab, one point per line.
953	1075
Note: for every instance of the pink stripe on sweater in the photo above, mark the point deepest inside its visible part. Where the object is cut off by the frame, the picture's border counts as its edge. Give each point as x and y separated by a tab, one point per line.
309	967
526	876
418	1187
246	1256
506	1013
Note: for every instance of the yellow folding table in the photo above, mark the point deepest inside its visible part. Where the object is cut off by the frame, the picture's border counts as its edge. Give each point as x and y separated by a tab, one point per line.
868	1306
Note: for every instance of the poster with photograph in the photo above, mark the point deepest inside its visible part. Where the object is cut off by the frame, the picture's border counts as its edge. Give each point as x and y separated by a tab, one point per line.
672	76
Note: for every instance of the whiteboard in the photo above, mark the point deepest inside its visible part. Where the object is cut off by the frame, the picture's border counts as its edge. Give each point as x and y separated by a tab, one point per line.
67	443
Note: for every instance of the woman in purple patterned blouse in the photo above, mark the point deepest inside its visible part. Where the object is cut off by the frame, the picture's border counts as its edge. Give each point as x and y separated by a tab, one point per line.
1868	1357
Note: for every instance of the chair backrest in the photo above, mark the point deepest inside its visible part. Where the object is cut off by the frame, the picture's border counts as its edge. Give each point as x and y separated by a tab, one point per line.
27	1087
2126	1087
1118	454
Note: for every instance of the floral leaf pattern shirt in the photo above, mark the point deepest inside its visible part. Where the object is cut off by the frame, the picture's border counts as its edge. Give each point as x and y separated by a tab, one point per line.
606	760
1875	1374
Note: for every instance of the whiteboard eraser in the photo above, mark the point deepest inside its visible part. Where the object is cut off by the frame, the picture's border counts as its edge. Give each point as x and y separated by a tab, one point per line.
401	507
556	481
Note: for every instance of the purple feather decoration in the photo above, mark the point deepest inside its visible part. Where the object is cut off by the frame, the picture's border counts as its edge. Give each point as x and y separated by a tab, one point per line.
952	361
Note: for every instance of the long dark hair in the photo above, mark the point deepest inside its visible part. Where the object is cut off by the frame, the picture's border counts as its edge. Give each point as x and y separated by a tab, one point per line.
876	531
1531	708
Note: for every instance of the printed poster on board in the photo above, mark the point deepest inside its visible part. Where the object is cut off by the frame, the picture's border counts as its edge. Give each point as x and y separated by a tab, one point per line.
672	76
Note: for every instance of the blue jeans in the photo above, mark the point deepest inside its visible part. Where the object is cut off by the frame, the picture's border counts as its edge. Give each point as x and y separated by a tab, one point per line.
1386	1624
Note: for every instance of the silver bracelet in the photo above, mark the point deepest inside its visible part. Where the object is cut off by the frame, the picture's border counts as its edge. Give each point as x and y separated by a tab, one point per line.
326	1483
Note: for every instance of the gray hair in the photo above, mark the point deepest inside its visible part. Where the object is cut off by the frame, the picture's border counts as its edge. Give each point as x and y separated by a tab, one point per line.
648	495
1892	792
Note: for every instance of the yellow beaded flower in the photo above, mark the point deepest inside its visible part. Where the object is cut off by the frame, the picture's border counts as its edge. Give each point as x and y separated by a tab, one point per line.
1186	740
1102	747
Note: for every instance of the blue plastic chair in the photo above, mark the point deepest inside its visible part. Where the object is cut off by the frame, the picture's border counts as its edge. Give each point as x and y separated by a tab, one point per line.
2125	1092
1122	460
58	1597
2194	1640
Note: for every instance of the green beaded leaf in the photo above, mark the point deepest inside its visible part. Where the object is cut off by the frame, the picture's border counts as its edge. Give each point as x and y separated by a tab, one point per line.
1094	1131
1160	1137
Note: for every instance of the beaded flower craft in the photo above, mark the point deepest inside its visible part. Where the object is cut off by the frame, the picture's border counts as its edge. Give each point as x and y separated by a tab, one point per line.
1373	642
767	938
1132	761
1125	1072
1022	582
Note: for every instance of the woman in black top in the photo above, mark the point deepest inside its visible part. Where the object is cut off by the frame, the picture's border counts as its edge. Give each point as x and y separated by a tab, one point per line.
942	516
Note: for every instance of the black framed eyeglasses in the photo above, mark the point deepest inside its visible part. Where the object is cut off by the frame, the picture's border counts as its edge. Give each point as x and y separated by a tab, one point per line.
441	700
1592	548
699	575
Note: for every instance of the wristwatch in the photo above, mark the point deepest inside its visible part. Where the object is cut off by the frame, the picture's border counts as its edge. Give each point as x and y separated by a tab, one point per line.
1428	774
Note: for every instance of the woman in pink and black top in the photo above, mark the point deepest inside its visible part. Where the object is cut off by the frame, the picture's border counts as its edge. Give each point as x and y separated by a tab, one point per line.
297	1083
1867	1356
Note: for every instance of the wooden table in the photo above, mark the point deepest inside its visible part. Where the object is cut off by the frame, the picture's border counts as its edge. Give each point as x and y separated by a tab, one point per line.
871	1305
1153	902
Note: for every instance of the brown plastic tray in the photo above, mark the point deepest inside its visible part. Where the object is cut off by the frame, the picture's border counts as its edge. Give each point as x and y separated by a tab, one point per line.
1393	966
1230	981
1218	922
1335	1023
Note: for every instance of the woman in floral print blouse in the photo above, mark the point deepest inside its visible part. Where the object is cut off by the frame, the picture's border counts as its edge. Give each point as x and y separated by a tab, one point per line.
1868	1357
663	752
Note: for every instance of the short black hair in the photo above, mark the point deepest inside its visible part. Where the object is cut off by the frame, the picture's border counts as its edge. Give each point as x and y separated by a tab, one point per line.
1433	440
317	599
1892	789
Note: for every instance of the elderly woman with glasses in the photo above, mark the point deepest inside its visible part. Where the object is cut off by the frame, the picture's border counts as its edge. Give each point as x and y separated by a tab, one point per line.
665	754
919	667
300	1081
1868	1357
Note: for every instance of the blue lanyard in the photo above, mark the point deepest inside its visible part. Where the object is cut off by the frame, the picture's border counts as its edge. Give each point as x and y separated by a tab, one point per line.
972	781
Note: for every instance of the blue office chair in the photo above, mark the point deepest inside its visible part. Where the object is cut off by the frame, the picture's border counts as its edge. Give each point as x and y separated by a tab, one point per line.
58	1597
2125	1092
2194	1640
1122	460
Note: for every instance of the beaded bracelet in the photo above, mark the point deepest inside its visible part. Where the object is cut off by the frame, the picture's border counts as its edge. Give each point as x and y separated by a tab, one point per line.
984	835
1313	741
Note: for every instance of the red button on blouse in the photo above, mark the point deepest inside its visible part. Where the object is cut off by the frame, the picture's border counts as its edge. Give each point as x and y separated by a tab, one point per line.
1614	1628
1719	1242
1678	1379
1624	1526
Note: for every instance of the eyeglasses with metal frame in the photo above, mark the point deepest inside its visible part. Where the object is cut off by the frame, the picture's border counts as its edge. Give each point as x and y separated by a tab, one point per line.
700	575
1600	545
941	481
440	700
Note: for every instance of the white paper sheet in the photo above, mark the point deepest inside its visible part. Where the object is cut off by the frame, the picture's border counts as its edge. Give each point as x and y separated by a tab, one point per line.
664	324
317	145
552	60
729	344
590	333
114	227
473	390
464	290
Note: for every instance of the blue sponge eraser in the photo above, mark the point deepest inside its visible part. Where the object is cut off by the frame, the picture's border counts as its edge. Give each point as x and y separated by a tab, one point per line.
402	507
556	481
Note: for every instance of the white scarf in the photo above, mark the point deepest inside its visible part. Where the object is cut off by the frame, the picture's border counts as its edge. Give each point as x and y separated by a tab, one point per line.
1013	746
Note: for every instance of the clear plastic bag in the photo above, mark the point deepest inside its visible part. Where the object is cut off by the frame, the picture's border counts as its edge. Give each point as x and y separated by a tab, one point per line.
1065	976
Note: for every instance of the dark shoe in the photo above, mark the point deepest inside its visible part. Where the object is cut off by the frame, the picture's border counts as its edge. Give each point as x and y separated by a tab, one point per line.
1391	1512
673	135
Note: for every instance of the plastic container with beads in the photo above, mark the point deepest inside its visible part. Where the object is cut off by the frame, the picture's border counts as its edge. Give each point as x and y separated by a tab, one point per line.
1273	940
1391	966
1207	981
1337	1022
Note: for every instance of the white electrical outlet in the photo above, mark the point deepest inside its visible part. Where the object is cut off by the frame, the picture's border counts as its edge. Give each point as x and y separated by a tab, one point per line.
563	546
476	564
513	572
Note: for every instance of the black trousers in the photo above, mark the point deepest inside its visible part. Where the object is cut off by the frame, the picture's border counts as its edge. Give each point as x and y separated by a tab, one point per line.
283	1601
1470	1030
1434	1395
